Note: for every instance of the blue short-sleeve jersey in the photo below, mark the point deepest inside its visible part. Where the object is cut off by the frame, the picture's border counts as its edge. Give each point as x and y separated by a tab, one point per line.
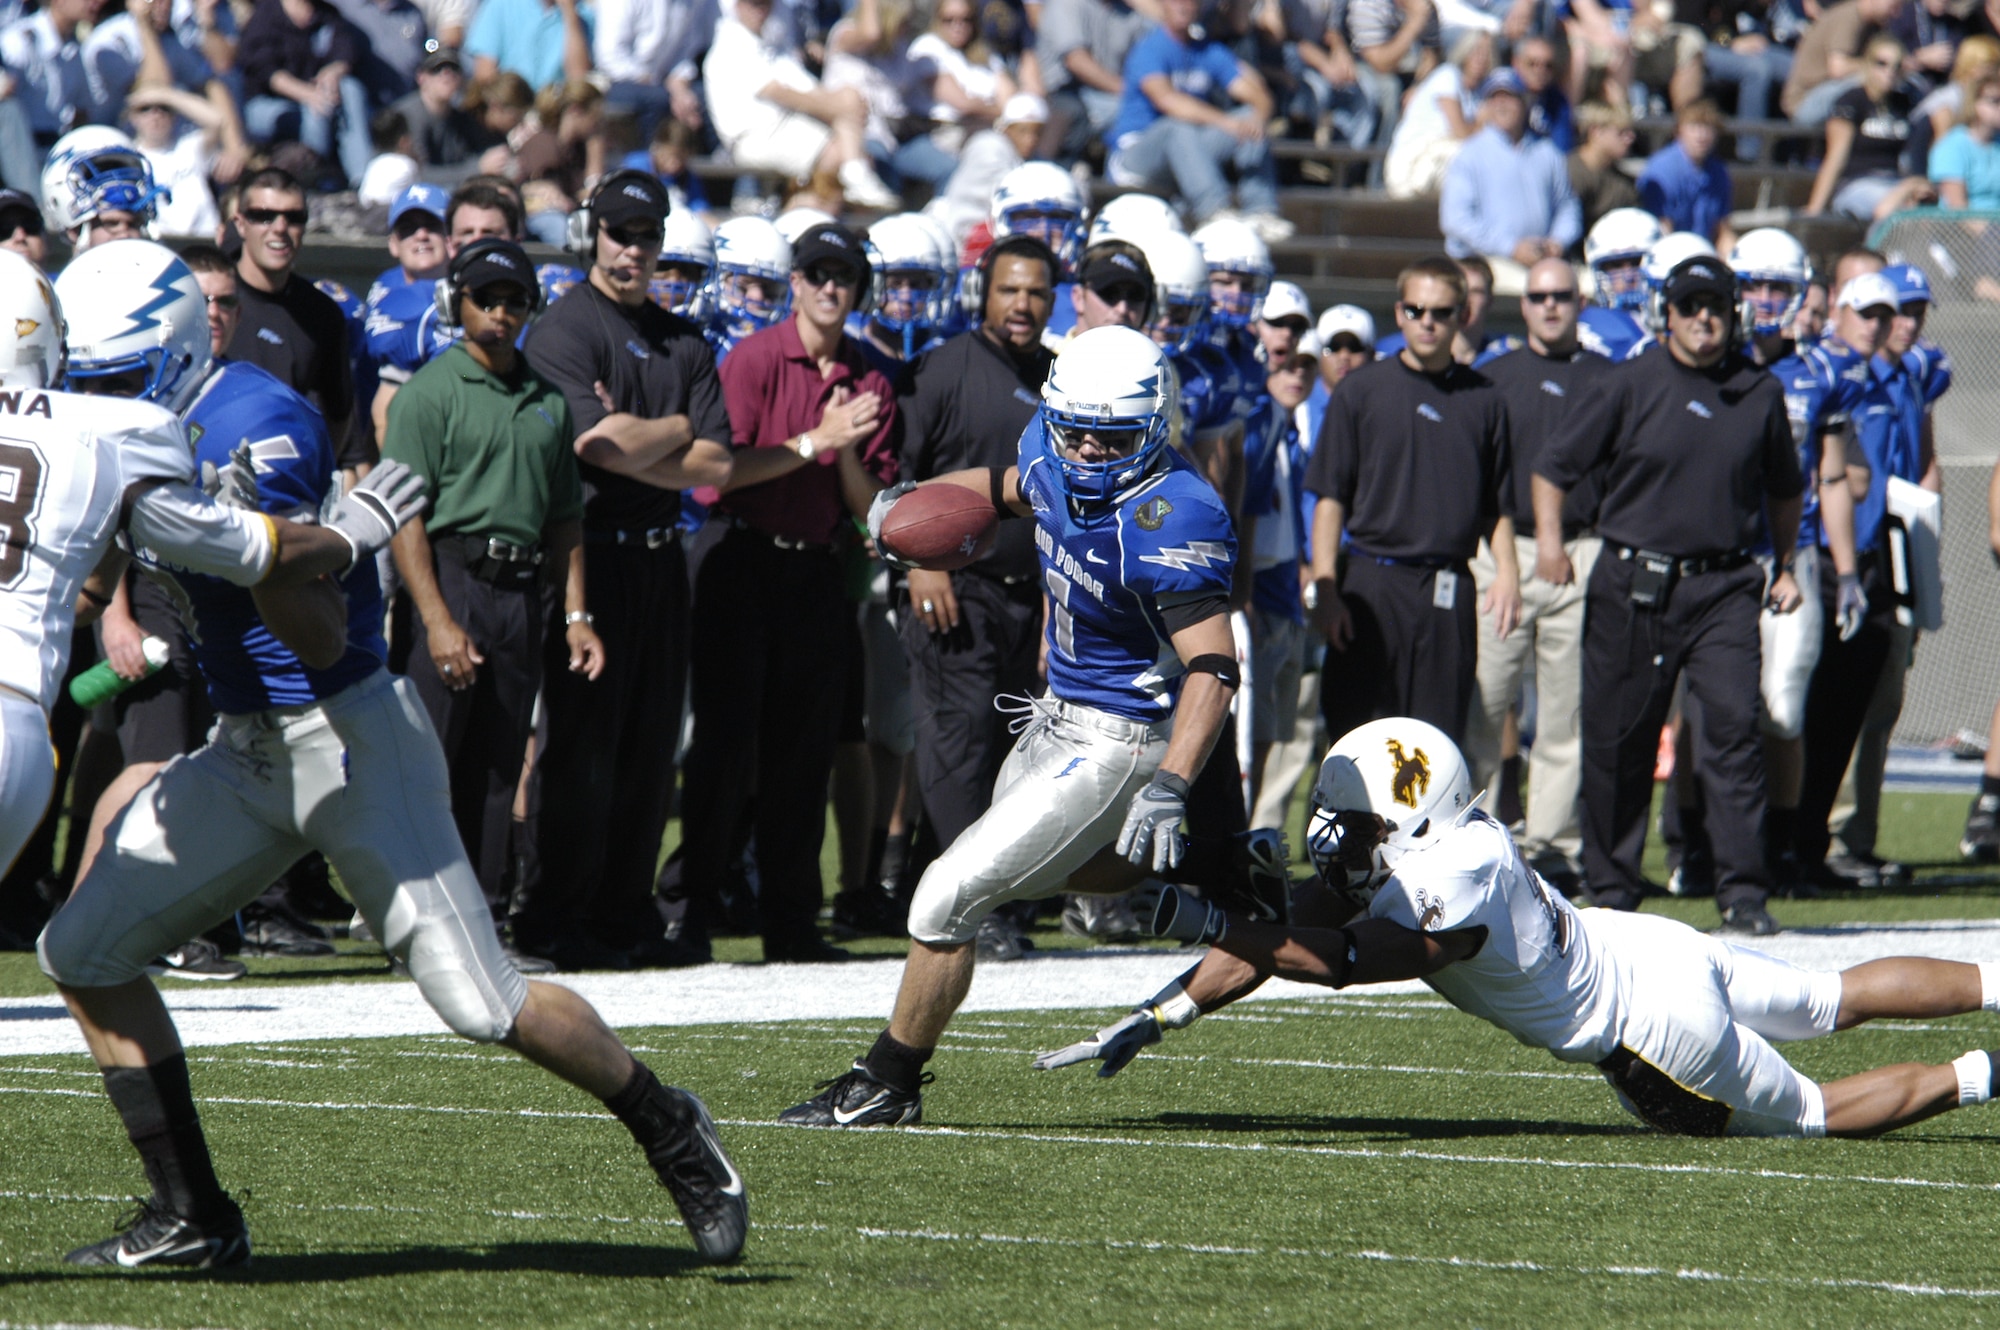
247	668
1108	568
1611	333
558	280
404	332
1823	387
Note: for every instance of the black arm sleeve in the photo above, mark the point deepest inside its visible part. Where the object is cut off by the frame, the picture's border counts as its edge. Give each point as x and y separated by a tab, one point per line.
1184	614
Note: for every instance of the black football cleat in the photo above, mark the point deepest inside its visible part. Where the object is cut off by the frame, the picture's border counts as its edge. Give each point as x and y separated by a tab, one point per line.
1749	921
1981	841
857	1099
688	1155
155	1235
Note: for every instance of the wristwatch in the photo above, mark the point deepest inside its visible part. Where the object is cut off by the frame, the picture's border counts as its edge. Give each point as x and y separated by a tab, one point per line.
807	447
578	616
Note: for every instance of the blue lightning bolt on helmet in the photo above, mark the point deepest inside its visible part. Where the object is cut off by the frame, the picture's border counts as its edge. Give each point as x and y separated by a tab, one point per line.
1231	246
96	170
1109	383
133	305
749	249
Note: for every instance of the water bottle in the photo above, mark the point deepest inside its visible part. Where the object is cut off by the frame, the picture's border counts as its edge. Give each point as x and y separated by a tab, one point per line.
100	683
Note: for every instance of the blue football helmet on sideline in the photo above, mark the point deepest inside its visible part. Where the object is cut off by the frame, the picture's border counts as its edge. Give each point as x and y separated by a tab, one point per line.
95	170
1110	383
1042	200
1231	246
913	283
750	253
1180	285
133	305
1614	250
1769	255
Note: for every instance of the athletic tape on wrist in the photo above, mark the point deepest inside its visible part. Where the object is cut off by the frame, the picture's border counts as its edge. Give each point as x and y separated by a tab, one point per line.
1173	1008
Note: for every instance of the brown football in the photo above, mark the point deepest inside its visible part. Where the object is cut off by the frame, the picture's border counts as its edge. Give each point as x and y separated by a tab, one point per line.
940	527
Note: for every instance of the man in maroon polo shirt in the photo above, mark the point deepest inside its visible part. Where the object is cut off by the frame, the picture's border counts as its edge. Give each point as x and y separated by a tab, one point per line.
812	426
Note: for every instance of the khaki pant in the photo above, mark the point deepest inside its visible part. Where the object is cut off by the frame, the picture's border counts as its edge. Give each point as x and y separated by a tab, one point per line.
1290	756
1551	632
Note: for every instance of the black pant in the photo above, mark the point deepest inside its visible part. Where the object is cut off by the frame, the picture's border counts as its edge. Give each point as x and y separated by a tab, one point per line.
1631	658
167	713
1408	656
607	775
769	671
484	728
962	737
1837	702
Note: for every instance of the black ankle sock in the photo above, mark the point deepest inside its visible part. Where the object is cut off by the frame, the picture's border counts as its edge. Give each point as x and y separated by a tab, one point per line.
1989	785
897	1064
157	1106
628	1105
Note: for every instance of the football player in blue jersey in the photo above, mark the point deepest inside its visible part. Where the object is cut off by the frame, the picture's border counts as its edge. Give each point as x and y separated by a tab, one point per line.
1611	324
1136	555
317	747
416	239
750	288
910	296
687	256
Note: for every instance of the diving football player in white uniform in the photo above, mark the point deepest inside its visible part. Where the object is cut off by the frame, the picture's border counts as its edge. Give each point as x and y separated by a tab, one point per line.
1428	887
316	746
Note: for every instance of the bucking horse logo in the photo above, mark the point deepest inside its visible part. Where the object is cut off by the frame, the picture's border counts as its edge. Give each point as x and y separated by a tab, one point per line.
1413	774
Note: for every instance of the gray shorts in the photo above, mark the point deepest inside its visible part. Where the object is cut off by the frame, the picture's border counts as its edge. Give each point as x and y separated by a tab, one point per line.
359	778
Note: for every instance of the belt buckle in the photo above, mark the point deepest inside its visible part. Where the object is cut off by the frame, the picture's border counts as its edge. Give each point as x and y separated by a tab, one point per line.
501	551
787	543
659	536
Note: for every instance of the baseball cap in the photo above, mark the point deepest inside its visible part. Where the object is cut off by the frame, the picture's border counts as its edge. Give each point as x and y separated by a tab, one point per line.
1105	267
630	196
432	199
1023	108
1350	319
830	242
13	200
1699	275
1910	281
1869	290
498	261
442	58
1284	300
1503	79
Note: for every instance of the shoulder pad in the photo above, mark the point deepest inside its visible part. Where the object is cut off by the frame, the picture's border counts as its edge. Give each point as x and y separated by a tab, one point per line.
148	441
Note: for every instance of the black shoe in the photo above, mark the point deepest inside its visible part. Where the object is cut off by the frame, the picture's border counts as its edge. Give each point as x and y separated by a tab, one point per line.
269	933
1749	920
527	962
570	952
804	950
1260	885
1870	872
154	1235
688	1156
1981	841
197	959
857	1099
864	913
998	940
1611	898
669	953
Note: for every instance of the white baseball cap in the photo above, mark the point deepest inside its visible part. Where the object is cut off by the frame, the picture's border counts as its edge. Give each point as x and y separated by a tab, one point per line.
1283	300
1867	291
1347	319
1310	347
1023	108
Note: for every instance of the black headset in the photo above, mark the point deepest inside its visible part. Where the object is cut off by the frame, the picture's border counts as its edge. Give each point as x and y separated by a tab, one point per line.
580	233
452	285
972	288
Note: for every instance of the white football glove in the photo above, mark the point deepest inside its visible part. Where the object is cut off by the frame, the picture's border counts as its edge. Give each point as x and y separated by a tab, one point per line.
878	511
370	514
1117	1044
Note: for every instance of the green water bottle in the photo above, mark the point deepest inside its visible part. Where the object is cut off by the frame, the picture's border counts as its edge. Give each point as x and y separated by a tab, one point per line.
100	683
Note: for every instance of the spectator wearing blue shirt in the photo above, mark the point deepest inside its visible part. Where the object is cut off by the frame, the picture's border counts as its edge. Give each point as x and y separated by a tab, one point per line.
544	41
1507	196
1191	108
43	58
1685	183
1549	113
1965	165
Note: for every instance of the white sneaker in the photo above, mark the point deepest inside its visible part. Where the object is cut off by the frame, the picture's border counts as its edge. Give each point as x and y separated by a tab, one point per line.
1270	227
864	189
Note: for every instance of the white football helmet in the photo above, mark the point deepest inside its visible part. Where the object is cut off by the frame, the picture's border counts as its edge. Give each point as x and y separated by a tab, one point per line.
913	280
1042	200
795	222
1667	254
1620	236
686	242
1132	218
93	170
1386	789
750	247
137	307
1180	290
31	339
1110	383
1232	246
1771	255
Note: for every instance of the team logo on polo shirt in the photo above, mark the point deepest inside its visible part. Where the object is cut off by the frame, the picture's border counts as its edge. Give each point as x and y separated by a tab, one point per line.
1552	388
265	334
1429	412
1152	514
638	349
1701	410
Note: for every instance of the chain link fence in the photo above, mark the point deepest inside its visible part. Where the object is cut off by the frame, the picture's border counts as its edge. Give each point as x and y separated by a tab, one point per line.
1956	678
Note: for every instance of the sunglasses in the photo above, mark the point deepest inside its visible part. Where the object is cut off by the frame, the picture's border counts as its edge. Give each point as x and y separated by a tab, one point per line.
1121	293
1549	297
511	299
1694	305
271	216
412	223
638	236
819	274
1440	313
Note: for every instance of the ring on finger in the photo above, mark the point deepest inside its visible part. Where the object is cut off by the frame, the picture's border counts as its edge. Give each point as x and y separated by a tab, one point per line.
929	608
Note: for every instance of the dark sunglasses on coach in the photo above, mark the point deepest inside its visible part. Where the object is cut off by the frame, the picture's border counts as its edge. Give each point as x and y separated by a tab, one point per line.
819	274
1688	307
638	234
270	216
1441	313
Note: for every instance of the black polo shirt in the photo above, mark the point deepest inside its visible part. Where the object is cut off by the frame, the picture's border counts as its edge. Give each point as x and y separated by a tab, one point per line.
1690	455
300	336
1417	460
652	364
965	405
1540	392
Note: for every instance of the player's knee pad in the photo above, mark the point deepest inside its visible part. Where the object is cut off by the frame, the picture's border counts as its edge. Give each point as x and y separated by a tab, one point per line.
950	901
465	978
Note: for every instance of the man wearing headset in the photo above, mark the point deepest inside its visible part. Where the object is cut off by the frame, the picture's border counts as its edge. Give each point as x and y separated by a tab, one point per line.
493	441
647	407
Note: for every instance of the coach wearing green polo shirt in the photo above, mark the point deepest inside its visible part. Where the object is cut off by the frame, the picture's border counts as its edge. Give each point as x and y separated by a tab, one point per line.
495	444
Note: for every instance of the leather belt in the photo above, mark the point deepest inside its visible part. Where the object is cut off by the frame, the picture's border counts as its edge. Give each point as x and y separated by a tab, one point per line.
1692	566
787	543
652	537
494	548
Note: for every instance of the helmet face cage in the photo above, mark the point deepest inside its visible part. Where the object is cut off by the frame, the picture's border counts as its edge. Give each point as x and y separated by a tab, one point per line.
165	372
1767	316
1055	225
1182	322
676	294
113	180
1621	281
1345	846
910	299
1144	438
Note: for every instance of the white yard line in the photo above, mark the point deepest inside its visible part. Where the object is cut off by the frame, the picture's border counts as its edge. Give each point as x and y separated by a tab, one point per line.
214	1014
